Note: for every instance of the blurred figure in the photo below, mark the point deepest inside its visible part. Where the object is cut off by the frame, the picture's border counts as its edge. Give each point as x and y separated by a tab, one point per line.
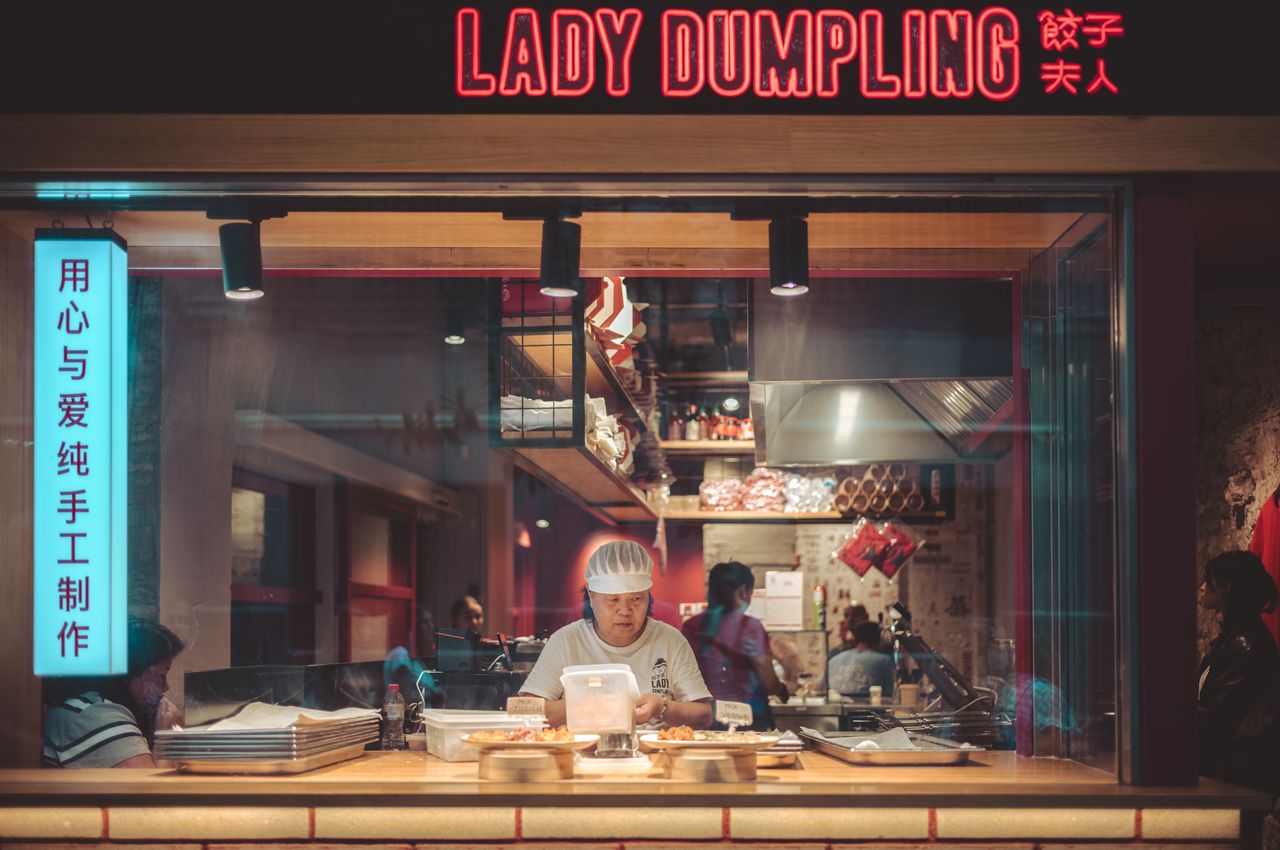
853	615
466	612
732	648
110	721
854	671
1239	691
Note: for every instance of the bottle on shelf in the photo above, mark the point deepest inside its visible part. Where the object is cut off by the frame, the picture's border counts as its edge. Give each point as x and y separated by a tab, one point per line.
691	424
393	719
704	424
747	431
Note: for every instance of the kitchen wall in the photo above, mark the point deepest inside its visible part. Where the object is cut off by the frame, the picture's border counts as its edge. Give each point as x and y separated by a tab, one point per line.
1237	461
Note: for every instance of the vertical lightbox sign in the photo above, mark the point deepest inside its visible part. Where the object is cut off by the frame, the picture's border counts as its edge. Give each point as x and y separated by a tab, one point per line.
81	453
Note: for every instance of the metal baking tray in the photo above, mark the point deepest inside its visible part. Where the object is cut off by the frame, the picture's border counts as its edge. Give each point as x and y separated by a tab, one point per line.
933	751
268	766
261	751
306	732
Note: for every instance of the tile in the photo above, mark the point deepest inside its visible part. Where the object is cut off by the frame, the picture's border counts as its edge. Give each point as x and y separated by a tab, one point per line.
45	845
932	846
620	822
1190	824
1035	823
318	845
1129	846
417	823
50	822
209	823
827	824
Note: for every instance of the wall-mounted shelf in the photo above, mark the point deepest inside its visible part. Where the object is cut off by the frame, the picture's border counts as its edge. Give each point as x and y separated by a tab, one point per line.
550	354
710	447
550	362
752	516
586	480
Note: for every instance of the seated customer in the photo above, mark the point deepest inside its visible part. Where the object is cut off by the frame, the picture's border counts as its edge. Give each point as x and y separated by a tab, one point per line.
111	721
466	612
854	671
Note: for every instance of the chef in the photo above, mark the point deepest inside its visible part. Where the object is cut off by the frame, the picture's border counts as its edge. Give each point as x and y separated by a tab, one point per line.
616	629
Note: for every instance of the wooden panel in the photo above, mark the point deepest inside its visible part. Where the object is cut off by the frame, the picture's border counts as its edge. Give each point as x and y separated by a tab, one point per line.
20	716
635	144
582	475
617	231
736	262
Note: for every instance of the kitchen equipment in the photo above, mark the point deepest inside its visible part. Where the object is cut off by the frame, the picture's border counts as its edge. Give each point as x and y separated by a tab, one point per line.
601	699
714	765
447	730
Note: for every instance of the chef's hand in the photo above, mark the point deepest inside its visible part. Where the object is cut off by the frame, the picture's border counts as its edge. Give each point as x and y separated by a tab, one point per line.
648	707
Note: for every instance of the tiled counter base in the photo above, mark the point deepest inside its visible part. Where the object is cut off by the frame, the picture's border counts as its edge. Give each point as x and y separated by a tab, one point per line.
647	826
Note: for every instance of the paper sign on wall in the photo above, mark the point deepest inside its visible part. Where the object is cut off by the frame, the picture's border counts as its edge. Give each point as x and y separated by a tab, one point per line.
80	420
784	599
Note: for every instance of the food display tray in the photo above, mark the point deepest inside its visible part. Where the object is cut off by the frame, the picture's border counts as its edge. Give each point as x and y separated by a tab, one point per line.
933	751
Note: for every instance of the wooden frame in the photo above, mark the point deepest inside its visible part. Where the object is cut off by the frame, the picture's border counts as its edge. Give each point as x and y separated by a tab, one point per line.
347	496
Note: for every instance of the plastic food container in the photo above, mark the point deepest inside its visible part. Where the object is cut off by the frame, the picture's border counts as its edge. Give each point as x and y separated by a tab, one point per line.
600	698
446	729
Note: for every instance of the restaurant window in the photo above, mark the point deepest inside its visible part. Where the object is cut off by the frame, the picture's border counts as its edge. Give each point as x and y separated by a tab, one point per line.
405	435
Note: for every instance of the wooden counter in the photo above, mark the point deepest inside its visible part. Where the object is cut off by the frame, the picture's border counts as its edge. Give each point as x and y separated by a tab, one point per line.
410	801
991	778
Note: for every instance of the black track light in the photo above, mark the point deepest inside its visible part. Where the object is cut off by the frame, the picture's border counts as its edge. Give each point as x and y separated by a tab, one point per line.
241	243
561	252
789	255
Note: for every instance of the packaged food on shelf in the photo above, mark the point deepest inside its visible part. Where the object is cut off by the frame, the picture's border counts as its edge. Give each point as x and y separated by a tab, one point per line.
720	494
535	414
765	490
809	494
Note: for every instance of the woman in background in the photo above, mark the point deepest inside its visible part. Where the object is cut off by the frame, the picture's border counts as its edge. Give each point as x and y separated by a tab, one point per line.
732	648
1239	696
111	721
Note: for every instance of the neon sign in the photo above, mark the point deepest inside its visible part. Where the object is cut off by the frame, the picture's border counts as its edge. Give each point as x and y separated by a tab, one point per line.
938	54
81	453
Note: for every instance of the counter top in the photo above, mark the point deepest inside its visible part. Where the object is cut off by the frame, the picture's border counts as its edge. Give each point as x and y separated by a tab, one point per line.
991	779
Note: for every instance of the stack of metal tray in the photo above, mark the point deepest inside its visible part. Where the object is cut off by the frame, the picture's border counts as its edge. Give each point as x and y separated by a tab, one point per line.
292	749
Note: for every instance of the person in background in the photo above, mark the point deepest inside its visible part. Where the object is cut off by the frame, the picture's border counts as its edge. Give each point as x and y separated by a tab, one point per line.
854	671
1239	693
616	629
733	648
111	721
466	612
853	615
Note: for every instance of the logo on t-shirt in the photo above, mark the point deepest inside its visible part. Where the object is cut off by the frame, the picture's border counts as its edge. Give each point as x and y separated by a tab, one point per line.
658	681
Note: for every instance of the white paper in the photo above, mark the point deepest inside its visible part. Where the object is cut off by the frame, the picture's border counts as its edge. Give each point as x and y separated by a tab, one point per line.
784	599
260	715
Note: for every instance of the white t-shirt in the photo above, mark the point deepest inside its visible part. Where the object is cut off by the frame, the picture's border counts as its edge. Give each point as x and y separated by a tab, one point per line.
662	660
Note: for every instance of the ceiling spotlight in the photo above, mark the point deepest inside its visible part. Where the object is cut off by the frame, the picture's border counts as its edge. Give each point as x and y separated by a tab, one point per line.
241	243
731	404
542	523
454	326
789	255
561	252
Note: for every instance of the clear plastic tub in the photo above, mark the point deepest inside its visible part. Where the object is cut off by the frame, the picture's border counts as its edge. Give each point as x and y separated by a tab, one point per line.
446	729
600	698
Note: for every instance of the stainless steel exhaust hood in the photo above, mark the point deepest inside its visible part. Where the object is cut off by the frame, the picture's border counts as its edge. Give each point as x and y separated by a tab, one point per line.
824	424
861	371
